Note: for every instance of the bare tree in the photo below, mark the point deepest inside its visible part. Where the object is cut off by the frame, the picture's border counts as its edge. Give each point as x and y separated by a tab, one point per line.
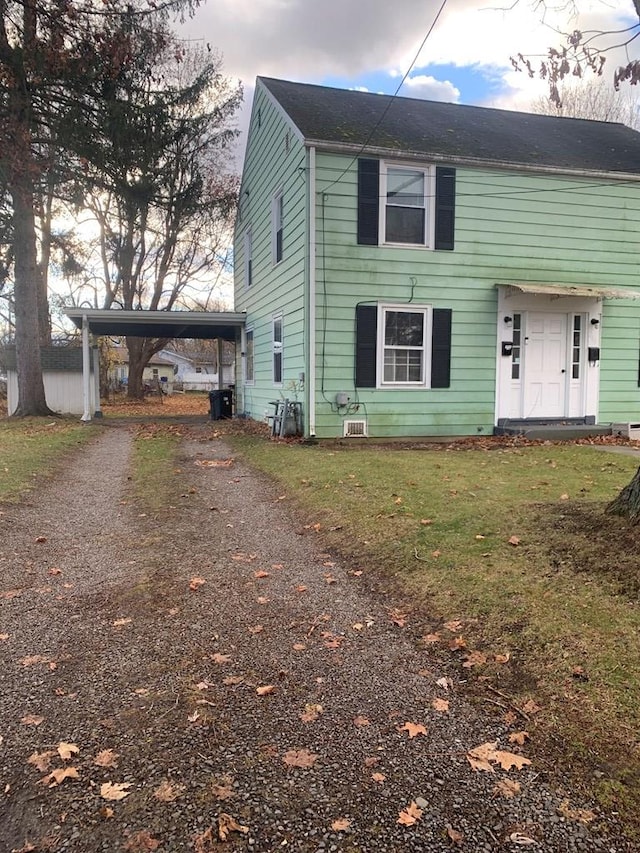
591	99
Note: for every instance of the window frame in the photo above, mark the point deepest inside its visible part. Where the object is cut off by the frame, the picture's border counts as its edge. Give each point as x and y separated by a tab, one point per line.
248	258
277	227
249	346
428	206
427	335
277	348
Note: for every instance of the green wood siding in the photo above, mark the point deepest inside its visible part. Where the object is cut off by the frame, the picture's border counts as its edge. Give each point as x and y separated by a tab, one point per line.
275	160
509	227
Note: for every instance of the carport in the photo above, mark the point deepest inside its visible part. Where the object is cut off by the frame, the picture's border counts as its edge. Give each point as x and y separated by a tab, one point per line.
202	325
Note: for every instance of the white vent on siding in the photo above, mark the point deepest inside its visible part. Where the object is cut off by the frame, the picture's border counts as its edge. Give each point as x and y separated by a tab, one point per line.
355	428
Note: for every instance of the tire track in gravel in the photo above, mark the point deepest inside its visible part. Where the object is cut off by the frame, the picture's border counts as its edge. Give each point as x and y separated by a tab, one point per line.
145	668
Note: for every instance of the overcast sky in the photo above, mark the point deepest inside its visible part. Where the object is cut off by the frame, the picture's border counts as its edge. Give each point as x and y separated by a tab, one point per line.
370	44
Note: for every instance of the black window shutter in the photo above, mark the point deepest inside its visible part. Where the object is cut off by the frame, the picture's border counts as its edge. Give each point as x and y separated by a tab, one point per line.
368	201
366	339
441	348
445	207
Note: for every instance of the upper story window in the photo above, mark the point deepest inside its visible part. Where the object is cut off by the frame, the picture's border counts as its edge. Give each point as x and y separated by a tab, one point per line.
406	205
277	229
404	214
248	258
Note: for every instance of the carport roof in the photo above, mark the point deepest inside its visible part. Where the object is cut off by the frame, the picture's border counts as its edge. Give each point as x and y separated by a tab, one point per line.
205	325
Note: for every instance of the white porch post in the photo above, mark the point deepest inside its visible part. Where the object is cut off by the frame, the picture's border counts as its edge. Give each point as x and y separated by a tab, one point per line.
86	370
96	382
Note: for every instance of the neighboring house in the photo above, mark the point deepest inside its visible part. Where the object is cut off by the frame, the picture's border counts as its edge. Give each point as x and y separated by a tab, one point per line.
159	369
414	268
196	373
62	374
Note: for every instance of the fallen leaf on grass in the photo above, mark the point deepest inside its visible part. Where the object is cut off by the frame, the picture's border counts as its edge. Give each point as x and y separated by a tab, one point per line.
196	583
507	788
440	705
431	638
519	738
66	750
582	815
311	713
214	463
167	792
426	521
455	836
41	760
265	689
413	729
227	824
58	775
31	720
457	644
141	842
514	540
505	658
410	815
340	824
106	758
530	707
299	758
114	790
474	659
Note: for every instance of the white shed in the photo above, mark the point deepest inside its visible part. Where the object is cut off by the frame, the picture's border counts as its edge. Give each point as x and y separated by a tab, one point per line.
62	373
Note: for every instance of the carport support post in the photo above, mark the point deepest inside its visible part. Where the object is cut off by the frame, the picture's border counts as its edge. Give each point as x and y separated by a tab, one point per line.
96	381
219	343
86	370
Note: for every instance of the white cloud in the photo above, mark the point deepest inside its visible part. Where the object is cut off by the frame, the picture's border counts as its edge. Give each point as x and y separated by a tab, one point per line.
427	87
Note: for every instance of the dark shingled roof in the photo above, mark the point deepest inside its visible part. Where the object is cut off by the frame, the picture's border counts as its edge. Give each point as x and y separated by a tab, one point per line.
51	358
456	132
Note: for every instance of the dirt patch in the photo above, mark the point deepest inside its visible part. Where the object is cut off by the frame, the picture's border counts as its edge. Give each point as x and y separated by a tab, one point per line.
581	538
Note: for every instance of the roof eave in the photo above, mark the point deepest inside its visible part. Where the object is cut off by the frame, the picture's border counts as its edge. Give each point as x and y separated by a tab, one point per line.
478	162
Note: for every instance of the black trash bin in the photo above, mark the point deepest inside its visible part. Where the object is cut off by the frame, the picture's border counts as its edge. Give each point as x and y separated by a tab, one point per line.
221	404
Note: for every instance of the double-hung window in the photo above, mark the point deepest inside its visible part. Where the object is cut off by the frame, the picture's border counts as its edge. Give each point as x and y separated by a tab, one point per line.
248	358
403	347
277	349
277	227
405	213
248	258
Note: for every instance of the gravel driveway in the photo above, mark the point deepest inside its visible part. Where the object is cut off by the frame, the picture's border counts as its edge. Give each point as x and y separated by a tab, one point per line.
216	681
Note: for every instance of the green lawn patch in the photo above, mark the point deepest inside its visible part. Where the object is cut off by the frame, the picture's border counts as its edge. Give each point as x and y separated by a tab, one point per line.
513	543
33	449
154	474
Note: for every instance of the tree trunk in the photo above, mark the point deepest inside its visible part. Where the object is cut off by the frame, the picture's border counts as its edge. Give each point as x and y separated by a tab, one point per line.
627	503
138	360
31	396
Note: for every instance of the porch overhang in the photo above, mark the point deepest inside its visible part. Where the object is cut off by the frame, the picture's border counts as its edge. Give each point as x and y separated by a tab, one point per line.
557	291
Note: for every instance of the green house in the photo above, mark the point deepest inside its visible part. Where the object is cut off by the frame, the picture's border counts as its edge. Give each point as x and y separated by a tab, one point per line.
413	268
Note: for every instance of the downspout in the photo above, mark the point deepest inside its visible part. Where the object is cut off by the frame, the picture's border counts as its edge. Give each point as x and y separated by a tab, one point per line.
86	370
311	319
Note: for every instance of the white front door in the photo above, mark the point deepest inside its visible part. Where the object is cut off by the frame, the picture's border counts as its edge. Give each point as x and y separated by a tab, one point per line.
544	363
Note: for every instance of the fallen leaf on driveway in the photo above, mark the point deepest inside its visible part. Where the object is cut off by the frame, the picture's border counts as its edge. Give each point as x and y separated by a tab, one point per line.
340	824
41	760
255	629
311	713
66	750
57	776
114	790
413	729
227	824
127	620
265	689
440	705
519	838
196	583
141	842
261	574
410	815
167	792
31	720
232	680
31	660
106	758
378	777
222	788
507	788
220	658
519	738
299	758
583	815
361	721
455	836
487	754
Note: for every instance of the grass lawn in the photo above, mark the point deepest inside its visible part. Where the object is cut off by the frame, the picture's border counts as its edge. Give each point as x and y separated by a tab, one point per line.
34	448
512	544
